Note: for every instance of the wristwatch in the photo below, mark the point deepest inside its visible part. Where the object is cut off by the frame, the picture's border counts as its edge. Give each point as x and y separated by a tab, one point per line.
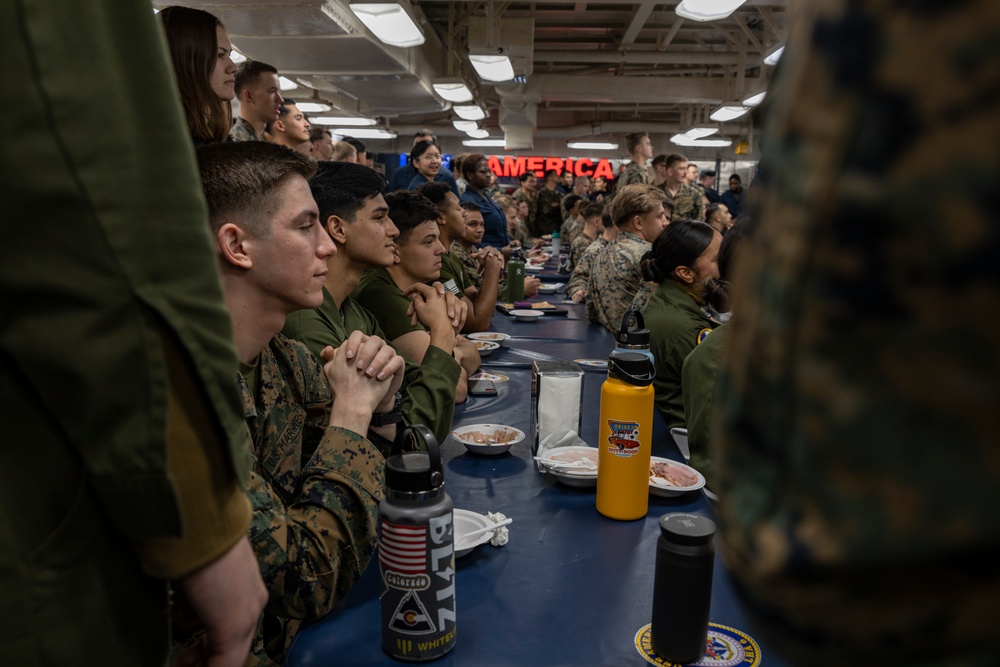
394	416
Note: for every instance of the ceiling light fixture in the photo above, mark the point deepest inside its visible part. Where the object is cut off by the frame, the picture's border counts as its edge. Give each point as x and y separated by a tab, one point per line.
391	22
465	125
592	145
365	133
314	107
478	134
774	56
484	143
728	112
701	131
685	140
453	90
237	57
286	83
492	67
755	99
707	10
469	112
341	120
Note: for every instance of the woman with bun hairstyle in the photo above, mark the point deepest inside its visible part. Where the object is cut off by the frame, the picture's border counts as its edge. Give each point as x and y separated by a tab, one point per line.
206	75
684	265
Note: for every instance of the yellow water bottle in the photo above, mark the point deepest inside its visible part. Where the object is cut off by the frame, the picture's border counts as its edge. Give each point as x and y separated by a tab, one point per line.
626	437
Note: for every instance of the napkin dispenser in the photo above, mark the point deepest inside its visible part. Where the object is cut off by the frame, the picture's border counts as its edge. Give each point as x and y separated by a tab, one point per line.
556	395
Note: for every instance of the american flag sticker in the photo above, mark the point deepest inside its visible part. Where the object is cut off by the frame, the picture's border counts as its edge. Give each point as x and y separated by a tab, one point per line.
403	549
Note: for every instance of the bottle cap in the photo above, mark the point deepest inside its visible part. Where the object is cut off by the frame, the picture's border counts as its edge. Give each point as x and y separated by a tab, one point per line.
631	368
414	472
637	337
687	529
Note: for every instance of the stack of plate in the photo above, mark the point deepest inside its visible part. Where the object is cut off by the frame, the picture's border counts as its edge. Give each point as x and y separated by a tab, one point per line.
573	466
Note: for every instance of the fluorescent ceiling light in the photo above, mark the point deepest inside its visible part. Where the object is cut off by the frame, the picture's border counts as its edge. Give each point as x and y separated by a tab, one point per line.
478	134
365	133
492	68
592	145
484	142
390	22
685	140
453	91
286	83
314	107
774	56
756	99
237	57
728	112
465	125
339	120
707	10
701	131
469	112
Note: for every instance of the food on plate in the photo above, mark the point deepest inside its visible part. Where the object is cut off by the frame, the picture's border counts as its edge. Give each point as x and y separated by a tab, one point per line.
574	455
672	475
499	436
485	345
490	336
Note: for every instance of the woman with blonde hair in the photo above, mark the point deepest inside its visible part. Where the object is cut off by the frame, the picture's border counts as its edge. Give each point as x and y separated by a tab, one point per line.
206	74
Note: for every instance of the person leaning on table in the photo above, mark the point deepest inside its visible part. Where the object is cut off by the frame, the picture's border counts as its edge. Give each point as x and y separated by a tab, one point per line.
123	450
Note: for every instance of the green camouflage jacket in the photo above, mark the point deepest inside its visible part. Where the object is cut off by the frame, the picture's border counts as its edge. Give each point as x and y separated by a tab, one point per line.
688	204
634	173
615	279
582	269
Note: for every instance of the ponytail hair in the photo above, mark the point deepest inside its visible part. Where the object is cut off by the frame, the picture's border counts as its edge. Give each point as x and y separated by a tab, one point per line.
679	244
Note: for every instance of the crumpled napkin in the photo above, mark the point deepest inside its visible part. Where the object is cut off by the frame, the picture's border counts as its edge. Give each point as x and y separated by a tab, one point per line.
500	535
547	446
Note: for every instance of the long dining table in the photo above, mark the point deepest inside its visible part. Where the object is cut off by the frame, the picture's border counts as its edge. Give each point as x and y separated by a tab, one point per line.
571	587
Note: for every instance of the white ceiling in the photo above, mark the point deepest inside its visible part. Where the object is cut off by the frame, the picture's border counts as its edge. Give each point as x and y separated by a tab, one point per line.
586	69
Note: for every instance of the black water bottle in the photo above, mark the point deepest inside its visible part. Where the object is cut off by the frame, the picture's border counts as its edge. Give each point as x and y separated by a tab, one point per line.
682	590
416	553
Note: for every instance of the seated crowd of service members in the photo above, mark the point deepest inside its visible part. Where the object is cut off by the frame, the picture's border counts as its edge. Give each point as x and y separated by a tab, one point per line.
339	283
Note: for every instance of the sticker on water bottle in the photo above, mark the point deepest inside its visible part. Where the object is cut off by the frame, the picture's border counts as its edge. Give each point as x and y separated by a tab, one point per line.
624	438
724	647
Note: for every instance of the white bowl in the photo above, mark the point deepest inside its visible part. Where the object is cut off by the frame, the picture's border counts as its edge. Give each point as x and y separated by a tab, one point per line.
492	336
488	434
549	288
668	490
582	477
485	347
526	315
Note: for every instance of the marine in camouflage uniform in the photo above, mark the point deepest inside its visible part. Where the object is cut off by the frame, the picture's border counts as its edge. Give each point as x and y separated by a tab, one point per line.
858	444
615	279
571	228
547	218
688	204
578	246
314	489
521	195
634	173
582	269
242	130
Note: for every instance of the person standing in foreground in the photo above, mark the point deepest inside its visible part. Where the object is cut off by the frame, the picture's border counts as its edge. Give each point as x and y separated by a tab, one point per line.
316	481
124	455
858	449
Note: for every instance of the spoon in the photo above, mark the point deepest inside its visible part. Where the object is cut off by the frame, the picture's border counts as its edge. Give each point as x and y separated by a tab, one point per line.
485	529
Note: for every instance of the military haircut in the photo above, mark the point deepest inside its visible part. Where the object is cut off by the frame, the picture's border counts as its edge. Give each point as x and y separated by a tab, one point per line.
436	192
593	210
552	173
249	73
317	133
659	159
606	221
409	209
359	146
241	180
674	158
635	199
342	188
710	211
570	201
504	201
470	206
632	140
425	133
525	176
679	244
285	107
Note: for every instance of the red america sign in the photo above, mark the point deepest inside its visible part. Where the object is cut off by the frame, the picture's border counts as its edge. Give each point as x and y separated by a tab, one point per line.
510	166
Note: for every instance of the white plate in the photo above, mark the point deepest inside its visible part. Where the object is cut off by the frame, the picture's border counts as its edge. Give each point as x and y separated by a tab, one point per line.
466	522
550	288
534	268
667	490
488	449
490	336
485	347
583	478
526	315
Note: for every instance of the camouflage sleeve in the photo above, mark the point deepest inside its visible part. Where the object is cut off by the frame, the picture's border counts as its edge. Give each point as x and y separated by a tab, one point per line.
311	550
581	272
641	298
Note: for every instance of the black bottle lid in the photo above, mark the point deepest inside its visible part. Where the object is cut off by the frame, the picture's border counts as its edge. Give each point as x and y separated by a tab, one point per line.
631	368
414	472
632	337
687	529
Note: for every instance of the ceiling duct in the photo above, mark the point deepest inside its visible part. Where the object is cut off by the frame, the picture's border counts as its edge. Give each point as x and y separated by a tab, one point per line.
518	116
514	38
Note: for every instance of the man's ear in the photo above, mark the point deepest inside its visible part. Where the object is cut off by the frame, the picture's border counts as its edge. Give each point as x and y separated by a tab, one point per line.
335	228
232	243
686	274
635	225
277	126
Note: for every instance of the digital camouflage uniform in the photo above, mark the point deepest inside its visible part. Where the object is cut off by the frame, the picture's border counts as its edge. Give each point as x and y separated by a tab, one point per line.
242	130
615	279
547	218
577	247
428	387
314	489
676	324
471	267
634	173
571	228
582	269
532	198
688	204
858	453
